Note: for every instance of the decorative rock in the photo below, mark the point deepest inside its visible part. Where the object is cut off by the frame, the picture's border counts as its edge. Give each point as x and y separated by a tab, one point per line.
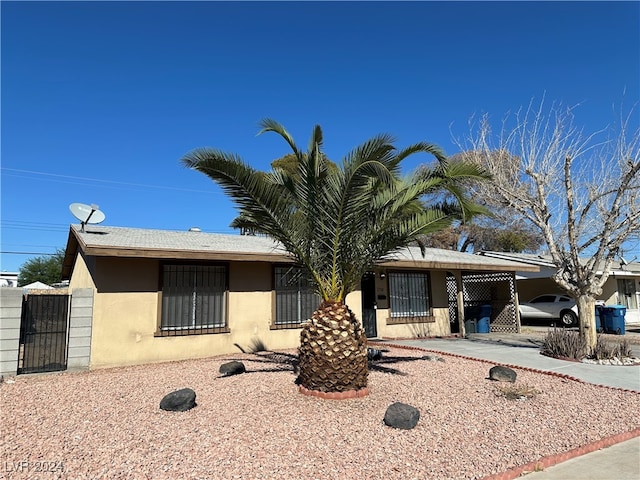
613	361
179	401
232	368
401	415
374	353
433	358
502	374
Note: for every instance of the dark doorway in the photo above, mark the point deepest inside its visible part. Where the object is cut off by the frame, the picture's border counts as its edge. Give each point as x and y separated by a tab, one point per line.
368	288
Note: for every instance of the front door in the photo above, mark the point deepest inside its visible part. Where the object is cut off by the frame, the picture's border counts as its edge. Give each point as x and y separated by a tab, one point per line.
368	288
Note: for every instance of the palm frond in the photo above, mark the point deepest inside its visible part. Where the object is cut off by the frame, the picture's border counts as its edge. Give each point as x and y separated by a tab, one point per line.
270	125
338	221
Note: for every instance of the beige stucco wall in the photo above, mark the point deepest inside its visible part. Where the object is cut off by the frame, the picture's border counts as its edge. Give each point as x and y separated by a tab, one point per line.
81	277
439	304
126	312
251	309
610	290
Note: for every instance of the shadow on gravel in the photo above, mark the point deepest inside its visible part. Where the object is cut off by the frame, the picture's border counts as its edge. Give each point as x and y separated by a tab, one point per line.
288	362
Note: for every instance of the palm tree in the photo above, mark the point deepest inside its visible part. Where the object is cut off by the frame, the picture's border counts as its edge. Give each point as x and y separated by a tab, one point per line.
337	223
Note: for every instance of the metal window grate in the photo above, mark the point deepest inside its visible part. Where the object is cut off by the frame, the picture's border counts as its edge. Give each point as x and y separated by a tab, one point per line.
409	294
193	299
296	298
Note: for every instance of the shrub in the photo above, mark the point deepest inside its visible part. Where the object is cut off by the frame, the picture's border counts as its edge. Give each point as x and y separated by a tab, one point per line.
516	392
257	345
564	343
606	350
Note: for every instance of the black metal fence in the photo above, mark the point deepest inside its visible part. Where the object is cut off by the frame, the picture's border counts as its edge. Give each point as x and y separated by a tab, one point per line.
43	333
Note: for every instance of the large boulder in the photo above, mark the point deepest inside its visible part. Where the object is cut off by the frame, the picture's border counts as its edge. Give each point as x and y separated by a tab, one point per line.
232	368
401	415
502	374
179	401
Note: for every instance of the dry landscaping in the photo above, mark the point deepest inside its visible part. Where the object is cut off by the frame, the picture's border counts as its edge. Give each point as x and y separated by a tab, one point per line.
108	424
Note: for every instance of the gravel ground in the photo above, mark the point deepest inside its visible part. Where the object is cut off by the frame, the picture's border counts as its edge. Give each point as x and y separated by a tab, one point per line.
108	424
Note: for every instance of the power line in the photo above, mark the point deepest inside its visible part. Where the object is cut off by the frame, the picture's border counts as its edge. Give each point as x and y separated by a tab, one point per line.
26	253
29	245
59	178
7	225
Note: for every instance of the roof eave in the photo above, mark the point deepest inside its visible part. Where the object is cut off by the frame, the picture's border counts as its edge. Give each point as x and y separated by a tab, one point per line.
129	252
438	265
69	255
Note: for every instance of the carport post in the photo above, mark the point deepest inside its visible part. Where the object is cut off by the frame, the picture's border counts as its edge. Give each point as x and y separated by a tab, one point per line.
460	302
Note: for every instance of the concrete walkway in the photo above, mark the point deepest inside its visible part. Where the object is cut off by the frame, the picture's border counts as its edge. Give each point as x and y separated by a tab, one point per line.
617	462
525	352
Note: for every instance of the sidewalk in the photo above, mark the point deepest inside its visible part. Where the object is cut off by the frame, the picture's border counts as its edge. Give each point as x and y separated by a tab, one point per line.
618	462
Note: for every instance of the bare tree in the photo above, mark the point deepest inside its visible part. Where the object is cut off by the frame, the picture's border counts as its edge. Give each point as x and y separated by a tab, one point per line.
582	191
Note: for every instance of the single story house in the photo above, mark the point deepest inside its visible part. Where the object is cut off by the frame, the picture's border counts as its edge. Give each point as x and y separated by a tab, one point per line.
621	288
163	295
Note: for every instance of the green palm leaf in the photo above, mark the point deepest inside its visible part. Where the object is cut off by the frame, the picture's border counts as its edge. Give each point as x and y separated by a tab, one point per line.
339	221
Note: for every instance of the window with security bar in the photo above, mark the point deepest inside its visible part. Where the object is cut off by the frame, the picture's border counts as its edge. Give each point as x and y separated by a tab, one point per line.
193	299
409	294
627	293
295	295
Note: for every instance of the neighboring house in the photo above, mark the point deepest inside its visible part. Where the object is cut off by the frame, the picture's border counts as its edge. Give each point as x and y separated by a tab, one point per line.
621	288
165	295
9	279
37	286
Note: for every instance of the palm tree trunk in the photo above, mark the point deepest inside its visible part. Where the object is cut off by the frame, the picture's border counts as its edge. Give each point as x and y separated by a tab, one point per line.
333	350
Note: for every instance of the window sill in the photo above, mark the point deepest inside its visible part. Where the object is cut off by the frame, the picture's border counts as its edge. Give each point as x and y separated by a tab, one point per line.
285	326
190	332
407	320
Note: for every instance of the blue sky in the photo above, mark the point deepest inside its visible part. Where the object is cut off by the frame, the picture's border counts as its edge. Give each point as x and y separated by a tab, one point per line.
101	100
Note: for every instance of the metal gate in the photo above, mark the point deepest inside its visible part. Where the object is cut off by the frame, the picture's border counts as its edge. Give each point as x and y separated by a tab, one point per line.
452	297
43	333
368	288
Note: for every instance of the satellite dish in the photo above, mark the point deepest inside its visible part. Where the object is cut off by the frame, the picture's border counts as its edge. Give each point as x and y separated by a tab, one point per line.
86	213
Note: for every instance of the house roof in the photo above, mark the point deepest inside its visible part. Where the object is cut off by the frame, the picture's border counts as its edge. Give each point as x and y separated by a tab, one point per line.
168	244
438	258
545	261
37	286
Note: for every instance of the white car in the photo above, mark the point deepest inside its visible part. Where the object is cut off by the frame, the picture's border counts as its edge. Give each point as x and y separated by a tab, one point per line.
552	306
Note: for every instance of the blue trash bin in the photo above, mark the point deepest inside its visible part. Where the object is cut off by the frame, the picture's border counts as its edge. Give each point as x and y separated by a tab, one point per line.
613	319
599	328
484	319
483	325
